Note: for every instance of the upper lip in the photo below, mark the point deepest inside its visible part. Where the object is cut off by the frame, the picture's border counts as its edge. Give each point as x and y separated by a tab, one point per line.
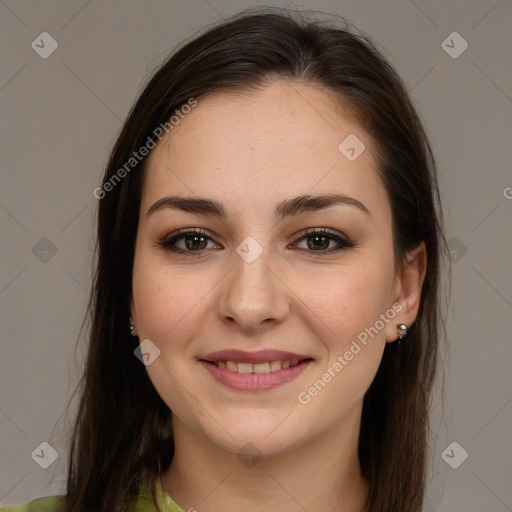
260	356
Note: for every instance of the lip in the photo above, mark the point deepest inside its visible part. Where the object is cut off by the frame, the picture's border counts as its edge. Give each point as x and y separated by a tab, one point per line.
255	381
260	356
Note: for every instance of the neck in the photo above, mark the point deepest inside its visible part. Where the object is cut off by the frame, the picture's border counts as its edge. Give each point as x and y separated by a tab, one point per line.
320	474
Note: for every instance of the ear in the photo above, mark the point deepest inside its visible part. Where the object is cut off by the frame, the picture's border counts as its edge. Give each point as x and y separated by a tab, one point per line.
133	314
407	290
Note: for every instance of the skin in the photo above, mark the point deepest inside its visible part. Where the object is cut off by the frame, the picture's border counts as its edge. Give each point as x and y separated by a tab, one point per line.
250	151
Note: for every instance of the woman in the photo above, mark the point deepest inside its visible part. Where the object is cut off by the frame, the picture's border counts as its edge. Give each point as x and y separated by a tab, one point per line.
265	312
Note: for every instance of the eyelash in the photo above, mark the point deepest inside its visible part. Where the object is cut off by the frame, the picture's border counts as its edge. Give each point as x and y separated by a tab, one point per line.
168	241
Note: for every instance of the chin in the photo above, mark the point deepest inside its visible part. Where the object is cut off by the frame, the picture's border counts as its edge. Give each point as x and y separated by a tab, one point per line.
255	438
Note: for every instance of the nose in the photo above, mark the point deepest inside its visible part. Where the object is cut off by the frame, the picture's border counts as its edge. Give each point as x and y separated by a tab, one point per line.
254	296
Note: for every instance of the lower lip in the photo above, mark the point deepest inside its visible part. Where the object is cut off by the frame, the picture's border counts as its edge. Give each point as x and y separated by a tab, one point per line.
255	381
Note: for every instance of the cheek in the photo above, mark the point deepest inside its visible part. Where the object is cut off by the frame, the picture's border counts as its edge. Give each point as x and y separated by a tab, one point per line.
166	299
170	312
349	304
347	301
353	335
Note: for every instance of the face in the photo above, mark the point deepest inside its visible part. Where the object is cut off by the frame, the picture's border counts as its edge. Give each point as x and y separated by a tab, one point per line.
313	284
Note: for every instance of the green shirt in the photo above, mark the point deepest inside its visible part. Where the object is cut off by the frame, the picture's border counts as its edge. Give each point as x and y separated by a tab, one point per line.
142	503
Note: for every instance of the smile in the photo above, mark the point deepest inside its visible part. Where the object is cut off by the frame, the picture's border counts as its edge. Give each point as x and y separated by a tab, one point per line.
263	376
264	367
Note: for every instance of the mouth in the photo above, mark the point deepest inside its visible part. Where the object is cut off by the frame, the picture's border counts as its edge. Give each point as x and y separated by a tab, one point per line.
260	367
254	371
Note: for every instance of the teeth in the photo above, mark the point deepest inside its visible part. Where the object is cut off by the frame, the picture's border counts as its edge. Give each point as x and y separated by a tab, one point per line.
231	365
261	368
245	367
275	366
266	367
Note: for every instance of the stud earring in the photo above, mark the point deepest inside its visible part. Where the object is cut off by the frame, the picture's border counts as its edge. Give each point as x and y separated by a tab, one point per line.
401	330
131	325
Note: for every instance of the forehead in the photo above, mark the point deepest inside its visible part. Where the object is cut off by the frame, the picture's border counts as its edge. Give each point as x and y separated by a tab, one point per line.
261	146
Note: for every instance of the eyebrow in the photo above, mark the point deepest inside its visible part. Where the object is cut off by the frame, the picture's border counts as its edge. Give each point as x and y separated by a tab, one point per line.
286	208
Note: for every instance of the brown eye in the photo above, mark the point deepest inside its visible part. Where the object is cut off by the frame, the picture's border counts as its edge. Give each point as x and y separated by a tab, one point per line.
186	241
320	241
195	242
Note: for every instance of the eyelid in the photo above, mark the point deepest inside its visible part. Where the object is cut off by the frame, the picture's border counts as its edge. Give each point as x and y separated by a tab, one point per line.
343	240
166	239
327	231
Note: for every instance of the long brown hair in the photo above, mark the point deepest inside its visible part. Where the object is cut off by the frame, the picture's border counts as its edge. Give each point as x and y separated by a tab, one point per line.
122	431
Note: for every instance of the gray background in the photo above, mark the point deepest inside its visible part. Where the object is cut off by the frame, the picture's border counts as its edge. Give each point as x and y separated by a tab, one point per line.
60	117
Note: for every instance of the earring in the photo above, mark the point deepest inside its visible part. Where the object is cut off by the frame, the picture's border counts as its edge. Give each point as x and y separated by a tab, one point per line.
401	330
131	325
